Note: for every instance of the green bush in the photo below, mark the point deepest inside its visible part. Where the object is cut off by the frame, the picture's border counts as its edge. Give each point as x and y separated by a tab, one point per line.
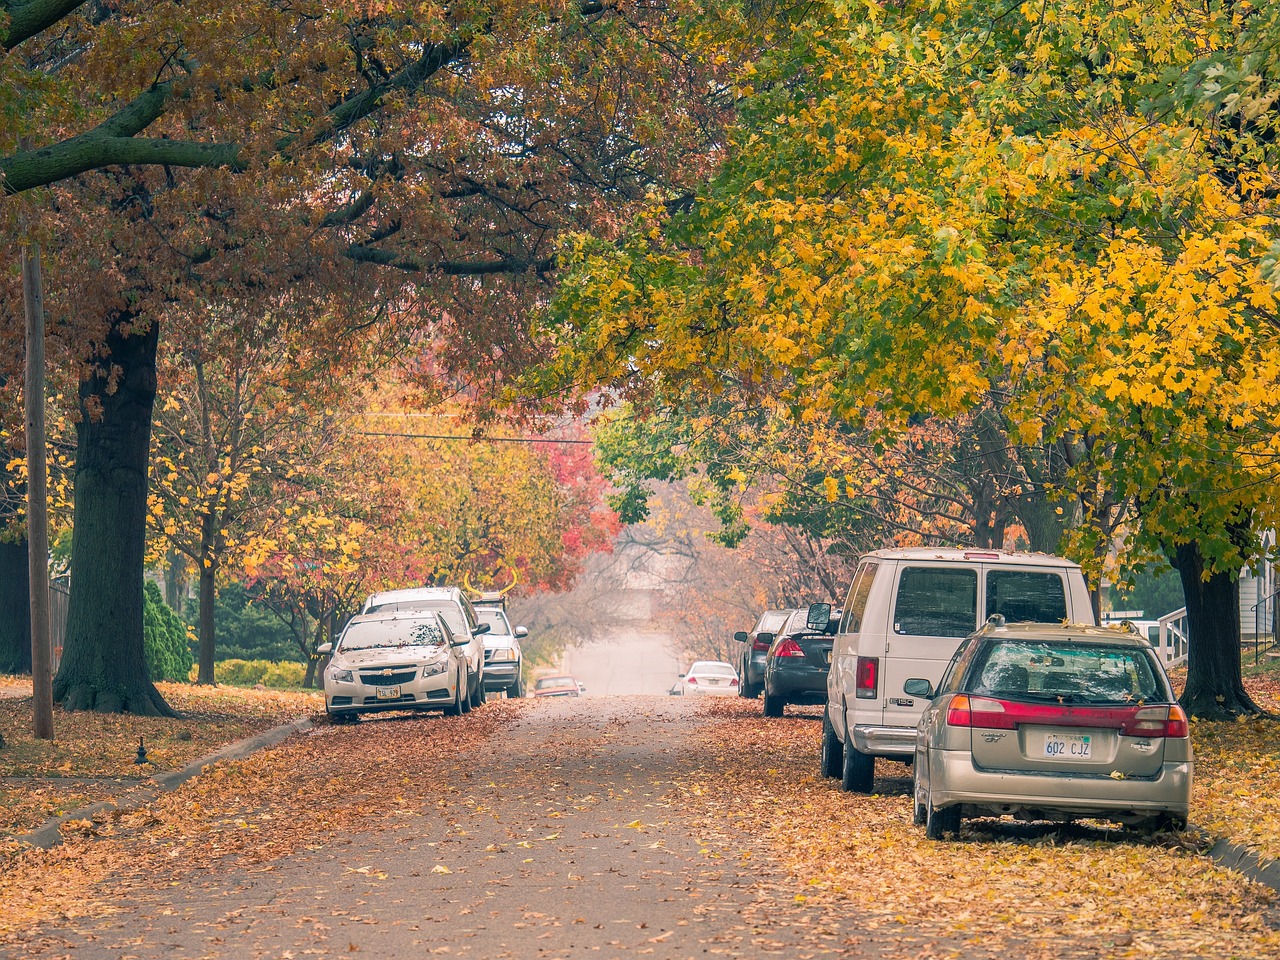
164	638
248	673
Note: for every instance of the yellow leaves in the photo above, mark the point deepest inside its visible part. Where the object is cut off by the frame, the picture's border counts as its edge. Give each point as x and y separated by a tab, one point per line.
831	488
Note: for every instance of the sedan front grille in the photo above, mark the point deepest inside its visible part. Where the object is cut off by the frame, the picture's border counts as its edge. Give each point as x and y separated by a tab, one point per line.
381	679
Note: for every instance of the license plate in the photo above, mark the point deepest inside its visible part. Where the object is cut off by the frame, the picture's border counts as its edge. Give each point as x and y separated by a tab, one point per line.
1068	746
388	693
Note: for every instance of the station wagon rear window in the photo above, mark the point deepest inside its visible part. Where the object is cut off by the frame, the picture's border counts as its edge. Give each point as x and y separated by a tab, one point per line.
936	602
1027	595
1067	673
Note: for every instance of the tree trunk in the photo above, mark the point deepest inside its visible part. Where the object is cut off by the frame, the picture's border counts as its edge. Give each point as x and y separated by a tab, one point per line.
208	640
15	609
102	665
1214	688
175	581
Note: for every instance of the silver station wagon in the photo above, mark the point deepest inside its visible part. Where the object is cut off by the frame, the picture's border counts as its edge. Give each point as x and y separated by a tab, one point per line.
1052	722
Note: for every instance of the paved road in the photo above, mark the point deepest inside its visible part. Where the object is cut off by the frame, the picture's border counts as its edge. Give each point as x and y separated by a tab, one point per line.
625	663
568	840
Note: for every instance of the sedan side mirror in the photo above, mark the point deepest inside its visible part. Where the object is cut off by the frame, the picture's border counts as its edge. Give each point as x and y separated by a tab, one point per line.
460	641
918	687
819	616
741	636
522	632
325	648
481	628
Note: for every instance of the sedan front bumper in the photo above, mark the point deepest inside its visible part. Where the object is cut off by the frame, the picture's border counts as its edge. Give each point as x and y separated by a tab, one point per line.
414	693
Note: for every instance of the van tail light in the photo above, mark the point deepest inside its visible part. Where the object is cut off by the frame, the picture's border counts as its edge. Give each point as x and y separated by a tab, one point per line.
788	648
867	678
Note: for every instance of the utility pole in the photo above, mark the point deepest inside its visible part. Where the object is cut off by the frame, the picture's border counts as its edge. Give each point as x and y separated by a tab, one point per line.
37	496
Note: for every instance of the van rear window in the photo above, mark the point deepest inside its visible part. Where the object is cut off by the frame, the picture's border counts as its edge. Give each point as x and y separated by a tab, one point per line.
1026	596
936	602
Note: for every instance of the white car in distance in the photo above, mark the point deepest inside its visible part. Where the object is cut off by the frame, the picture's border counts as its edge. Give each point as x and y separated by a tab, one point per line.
709	678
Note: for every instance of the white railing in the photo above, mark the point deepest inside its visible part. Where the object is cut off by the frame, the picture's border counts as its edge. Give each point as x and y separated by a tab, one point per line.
1174	632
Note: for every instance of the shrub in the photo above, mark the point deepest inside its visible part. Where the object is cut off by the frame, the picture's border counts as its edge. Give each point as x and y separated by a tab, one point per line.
248	673
164	638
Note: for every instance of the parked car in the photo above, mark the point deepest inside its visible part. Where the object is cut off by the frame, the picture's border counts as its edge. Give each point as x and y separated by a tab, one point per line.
503	656
709	678
798	660
453	605
1052	722
395	661
755	648
907	611
556	687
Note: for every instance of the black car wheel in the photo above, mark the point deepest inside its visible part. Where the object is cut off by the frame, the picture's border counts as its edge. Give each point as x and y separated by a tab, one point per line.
858	772
516	689
774	706
832	748
481	695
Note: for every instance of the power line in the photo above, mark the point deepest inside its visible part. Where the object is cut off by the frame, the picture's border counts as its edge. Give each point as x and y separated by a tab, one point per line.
479	439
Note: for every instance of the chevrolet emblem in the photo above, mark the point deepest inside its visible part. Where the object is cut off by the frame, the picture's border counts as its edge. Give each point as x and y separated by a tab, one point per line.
386	673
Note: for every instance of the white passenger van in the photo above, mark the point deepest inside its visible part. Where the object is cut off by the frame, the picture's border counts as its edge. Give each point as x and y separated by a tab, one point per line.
907	611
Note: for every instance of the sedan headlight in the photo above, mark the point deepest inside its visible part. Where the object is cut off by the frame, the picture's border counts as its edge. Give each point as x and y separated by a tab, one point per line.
435	667
341	676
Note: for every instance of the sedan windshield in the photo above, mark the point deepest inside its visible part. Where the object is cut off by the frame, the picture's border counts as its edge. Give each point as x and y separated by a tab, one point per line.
1066	673
391	633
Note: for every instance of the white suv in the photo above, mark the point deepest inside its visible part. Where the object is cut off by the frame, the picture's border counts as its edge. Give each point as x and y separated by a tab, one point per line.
906	613
452	604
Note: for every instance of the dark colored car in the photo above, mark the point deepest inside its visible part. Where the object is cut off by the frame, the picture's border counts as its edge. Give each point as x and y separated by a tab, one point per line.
557	687
755	647
798	660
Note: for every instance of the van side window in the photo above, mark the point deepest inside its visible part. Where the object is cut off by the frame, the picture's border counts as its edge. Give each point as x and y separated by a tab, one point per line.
936	602
856	605
1026	596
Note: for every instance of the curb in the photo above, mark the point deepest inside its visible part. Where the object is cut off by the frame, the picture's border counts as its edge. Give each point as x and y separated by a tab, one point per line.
1241	859
49	835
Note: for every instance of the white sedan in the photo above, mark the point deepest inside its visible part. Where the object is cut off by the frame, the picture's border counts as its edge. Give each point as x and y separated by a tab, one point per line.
709	677
395	661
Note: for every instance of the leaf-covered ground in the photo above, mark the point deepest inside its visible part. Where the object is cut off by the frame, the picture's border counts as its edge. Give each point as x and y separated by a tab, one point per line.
1090	889
303	794
92	755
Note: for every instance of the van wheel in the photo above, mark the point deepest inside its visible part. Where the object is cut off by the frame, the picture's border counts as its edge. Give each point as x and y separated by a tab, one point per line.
774	706
832	748
858	772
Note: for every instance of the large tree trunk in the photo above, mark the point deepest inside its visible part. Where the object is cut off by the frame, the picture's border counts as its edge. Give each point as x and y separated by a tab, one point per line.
15	609
102	658
1214	687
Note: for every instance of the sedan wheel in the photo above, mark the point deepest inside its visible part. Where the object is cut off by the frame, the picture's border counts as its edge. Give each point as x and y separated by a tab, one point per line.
773	706
858	772
464	693
832	749
455	709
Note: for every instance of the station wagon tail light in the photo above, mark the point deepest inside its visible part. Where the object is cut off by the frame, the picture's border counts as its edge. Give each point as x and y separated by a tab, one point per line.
789	648
1157	722
867	678
990	714
758	644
